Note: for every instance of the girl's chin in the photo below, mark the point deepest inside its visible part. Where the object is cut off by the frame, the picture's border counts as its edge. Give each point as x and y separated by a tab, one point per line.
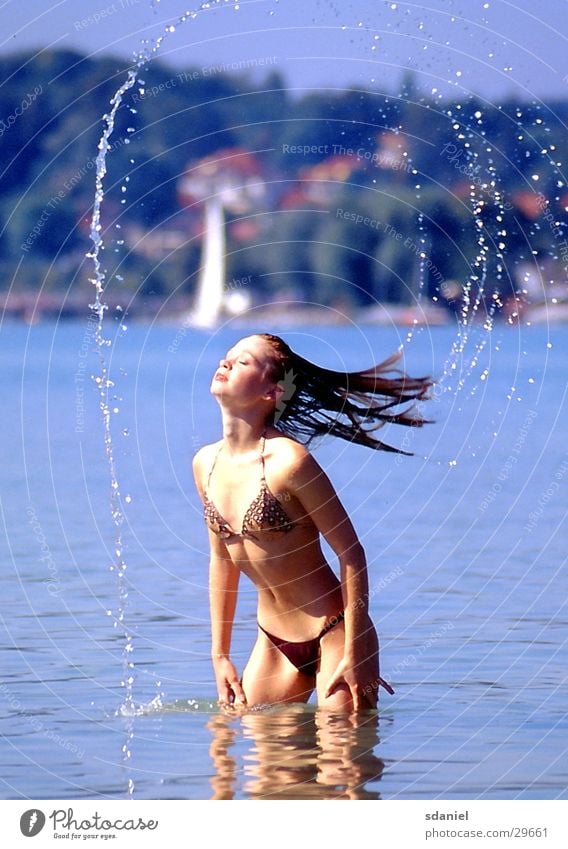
219	389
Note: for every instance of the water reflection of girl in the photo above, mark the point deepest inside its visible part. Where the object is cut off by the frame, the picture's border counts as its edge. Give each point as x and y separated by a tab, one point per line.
266	502
295	753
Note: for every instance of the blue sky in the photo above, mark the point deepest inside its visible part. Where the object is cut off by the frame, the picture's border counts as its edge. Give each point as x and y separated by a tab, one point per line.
494	48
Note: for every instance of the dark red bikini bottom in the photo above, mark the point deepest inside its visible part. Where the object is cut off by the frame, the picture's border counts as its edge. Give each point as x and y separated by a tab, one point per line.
305	655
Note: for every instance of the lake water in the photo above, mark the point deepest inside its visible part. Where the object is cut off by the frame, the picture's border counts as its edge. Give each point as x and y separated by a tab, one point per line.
466	544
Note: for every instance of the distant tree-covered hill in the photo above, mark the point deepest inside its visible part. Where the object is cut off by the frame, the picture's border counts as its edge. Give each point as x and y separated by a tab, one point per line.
350	195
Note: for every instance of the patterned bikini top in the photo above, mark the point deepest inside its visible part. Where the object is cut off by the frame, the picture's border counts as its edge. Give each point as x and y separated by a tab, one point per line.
265	513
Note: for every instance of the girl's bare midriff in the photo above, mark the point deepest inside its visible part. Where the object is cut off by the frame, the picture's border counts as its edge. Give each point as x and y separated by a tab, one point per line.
298	592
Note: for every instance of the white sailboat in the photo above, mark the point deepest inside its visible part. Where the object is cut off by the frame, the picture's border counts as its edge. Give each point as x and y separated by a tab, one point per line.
211	281
231	180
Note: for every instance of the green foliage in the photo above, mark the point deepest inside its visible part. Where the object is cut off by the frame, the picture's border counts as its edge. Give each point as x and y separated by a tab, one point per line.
404	170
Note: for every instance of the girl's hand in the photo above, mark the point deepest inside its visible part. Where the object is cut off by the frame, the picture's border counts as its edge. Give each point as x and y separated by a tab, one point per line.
228	685
362	679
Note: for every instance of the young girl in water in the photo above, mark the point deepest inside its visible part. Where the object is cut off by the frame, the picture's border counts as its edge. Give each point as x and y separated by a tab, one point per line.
266	502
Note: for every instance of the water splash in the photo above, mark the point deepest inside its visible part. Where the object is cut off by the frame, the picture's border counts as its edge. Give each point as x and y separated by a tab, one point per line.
104	383
420	273
158	706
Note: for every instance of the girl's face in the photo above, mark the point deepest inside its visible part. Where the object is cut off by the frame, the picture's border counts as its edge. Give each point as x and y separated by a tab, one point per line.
243	373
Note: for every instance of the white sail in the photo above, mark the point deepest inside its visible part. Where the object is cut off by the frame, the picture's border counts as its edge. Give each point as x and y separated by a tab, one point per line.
211	282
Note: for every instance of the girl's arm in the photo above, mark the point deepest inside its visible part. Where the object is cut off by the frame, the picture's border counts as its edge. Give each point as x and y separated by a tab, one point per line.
223	588
359	667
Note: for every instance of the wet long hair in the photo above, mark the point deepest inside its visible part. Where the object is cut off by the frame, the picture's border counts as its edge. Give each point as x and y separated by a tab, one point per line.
350	405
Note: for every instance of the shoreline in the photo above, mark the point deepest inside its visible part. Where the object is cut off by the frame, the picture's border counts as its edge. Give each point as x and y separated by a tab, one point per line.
31	308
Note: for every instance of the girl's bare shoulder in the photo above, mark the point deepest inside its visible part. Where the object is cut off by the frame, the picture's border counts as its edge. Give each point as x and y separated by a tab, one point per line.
288	452
203	458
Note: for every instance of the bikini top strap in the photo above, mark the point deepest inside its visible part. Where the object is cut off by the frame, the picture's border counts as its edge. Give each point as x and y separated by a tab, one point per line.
262	477
262	447
213	466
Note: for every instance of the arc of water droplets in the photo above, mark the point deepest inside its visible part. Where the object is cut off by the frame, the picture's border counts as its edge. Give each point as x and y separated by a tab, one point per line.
478	277
422	256
469	307
104	383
